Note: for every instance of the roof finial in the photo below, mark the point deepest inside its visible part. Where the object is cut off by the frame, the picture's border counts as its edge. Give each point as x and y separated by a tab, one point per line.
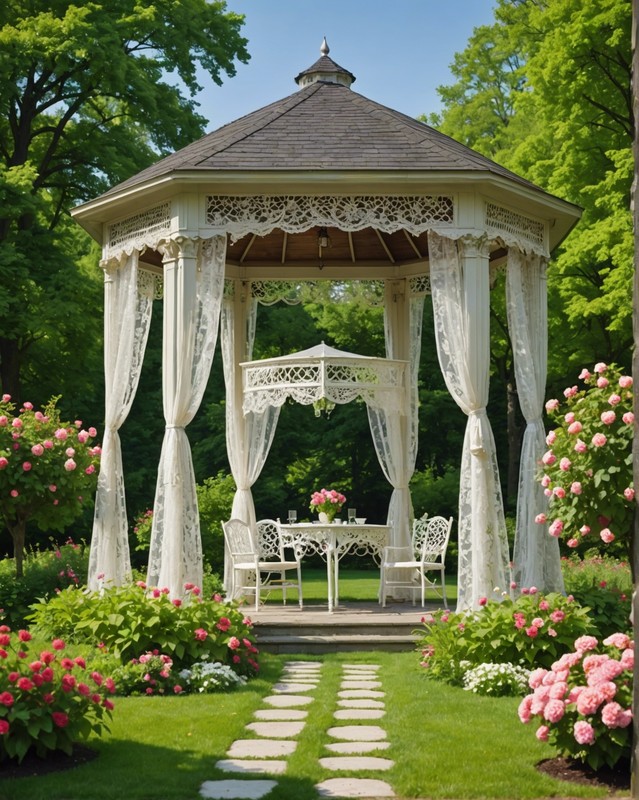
325	49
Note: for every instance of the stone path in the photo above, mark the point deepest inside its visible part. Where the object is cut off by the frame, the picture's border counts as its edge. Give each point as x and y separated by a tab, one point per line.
355	742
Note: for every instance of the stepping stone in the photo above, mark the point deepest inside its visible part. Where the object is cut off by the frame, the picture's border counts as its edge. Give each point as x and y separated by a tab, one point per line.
316	665
352	693
280	714
248	790
360	703
361	685
272	766
276	730
287	700
367	763
354	787
357	747
359	713
291	688
261	748
359	676
358	733
365	667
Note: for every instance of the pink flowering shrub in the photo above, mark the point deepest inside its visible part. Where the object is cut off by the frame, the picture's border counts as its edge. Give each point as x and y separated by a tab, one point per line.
128	620
587	469
48	470
532	630
583	702
47	700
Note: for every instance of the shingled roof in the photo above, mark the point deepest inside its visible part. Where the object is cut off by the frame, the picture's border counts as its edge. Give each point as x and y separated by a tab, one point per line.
324	125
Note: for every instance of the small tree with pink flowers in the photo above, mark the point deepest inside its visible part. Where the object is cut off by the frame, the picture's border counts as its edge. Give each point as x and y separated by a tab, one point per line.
48	469
587	470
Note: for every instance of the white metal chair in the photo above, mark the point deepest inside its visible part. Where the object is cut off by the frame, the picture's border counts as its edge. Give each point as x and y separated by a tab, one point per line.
427	554
252	565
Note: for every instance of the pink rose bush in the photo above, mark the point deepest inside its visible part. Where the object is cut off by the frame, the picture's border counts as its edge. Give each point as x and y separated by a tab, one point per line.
587	470
47	470
328	501
47	701
583	702
532	630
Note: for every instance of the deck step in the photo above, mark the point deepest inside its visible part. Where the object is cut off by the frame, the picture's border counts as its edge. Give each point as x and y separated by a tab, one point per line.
333	643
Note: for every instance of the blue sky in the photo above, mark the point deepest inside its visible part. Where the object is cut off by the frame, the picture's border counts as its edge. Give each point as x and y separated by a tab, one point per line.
398	50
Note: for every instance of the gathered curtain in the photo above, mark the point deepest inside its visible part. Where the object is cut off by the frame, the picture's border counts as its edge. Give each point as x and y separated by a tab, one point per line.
193	287
460	289
248	436
536	559
128	304
395	435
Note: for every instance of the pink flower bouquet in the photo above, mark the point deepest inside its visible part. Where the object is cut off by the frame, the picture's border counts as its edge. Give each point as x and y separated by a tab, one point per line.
327	501
583	701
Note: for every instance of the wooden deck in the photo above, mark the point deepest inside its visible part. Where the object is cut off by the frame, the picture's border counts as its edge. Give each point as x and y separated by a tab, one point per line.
352	626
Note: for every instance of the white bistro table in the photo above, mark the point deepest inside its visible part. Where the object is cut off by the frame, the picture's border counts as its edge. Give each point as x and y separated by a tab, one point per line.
332	541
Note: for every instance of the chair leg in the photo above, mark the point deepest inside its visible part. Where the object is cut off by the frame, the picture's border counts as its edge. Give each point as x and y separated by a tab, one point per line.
383	587
299	584
258	582
444	591
283	582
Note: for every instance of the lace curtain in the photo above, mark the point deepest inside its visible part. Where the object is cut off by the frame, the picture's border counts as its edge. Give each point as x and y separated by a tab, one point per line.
248	436
460	292
127	317
193	287
395	435
536	553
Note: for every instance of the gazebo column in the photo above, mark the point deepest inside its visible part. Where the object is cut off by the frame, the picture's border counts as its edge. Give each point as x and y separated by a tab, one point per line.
461	302
193	282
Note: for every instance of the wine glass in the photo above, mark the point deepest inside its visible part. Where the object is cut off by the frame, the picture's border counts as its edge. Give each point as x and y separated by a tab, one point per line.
292	516
352	514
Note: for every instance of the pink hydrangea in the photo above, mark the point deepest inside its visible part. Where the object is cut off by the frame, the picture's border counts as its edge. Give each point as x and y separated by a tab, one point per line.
585	643
614	716
589	700
554	710
584	732
524	711
608	417
542	733
619	640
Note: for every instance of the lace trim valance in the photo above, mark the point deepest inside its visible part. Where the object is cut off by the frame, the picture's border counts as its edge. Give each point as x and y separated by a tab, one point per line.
260	215
139	231
516	230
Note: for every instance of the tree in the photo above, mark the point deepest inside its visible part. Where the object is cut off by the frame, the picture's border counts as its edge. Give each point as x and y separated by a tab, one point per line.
85	101
47	470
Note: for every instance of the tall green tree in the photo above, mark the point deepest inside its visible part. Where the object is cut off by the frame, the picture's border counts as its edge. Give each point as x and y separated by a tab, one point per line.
89	95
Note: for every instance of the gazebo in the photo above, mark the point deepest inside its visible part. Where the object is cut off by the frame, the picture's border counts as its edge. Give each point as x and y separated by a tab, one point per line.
324	185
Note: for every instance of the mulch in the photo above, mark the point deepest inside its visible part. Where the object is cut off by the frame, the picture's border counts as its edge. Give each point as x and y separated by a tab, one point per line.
616	779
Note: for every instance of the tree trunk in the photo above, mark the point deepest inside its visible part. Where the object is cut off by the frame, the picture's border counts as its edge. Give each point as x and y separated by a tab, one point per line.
514	439
10	368
18	531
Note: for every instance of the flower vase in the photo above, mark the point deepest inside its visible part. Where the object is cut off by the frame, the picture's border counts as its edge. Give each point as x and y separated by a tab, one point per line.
324	518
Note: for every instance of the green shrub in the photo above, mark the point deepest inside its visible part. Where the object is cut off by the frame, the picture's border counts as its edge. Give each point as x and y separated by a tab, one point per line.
532	631
45	573
604	585
130	620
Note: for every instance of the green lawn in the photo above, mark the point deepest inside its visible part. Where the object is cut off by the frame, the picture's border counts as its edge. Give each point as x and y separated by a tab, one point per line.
446	743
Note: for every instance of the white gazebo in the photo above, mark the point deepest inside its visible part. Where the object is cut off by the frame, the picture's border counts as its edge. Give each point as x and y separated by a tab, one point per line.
324	185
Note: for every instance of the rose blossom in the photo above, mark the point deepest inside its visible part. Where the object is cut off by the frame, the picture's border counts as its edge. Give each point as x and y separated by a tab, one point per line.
565	464
575	487
584	374
37	449
602	383
60	719
628	418
234	643
573	543
580	447
541	519
70	465
4	462
614	399
548	458
559	491
606	535
608	417
200	634
570	391
569	417
629	493
599	440
552	405
556	528
575	427
551	438
625	381
61	434
600	367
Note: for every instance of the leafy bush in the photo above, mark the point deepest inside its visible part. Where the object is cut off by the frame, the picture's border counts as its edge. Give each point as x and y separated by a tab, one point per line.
130	619
604	585
587	472
584	701
533	630
47	469
45	573
497	680
47	701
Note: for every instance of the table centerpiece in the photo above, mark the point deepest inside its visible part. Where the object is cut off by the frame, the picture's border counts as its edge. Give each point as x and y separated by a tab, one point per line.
327	503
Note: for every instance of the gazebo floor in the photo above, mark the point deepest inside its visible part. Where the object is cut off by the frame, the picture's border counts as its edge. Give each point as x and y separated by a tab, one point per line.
352	626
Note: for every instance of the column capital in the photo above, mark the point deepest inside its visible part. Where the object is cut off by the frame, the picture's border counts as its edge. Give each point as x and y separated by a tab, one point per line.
178	247
475	246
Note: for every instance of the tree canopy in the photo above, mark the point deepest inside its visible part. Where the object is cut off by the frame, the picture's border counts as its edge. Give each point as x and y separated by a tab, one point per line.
89	94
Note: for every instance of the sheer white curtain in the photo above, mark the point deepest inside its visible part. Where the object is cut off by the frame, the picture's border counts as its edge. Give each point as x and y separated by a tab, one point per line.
395	435
248	436
193	286
460	289
127	316
536	554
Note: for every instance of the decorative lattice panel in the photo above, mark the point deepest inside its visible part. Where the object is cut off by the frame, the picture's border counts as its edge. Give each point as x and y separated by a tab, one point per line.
295	214
419	284
500	220
139	231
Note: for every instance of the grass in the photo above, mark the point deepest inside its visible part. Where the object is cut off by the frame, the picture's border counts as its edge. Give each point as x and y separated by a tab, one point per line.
354	585
446	743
